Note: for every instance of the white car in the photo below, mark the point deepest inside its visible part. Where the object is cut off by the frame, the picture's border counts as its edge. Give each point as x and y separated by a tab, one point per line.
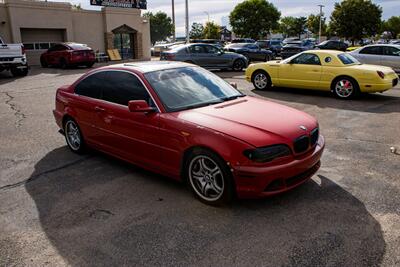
379	54
13	58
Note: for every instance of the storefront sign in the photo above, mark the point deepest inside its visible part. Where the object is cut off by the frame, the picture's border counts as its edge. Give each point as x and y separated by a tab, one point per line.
141	4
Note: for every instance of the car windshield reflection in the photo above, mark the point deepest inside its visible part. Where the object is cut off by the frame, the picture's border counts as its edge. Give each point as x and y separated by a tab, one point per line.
190	87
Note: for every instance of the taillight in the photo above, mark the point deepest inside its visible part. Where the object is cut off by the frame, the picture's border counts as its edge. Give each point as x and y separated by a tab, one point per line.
381	74
23	50
169	56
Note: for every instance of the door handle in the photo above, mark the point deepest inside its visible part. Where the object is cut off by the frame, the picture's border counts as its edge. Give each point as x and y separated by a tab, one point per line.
99	109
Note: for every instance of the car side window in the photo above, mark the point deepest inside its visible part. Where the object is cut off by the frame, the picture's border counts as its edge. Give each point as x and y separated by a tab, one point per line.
91	86
391	51
197	49
121	87
371	50
211	49
307	59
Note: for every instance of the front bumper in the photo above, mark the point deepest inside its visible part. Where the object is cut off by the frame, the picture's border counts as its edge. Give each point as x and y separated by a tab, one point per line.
257	182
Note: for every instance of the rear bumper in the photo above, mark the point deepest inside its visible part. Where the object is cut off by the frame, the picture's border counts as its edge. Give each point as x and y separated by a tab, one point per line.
380	87
258	182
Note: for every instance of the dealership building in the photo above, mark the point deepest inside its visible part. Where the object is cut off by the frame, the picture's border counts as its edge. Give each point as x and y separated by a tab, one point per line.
40	24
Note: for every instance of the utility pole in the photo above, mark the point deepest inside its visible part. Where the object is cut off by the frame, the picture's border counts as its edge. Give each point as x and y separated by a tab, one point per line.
208	22
187	21
173	21
320	22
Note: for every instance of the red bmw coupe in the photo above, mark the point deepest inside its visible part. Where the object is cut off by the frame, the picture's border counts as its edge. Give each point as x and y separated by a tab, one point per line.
182	121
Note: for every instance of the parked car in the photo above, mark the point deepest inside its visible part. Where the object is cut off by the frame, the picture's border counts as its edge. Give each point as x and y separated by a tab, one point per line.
251	51
13	58
242	40
187	123
380	54
395	42
295	47
274	45
67	55
333	45
290	40
207	56
325	70
161	47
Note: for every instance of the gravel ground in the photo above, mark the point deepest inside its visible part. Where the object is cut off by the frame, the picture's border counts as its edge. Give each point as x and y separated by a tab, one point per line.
57	208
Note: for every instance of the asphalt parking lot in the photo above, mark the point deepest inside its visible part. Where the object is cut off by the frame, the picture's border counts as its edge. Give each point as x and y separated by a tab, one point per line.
58	208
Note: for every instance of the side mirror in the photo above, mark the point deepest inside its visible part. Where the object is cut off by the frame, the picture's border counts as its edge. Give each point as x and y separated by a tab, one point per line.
140	106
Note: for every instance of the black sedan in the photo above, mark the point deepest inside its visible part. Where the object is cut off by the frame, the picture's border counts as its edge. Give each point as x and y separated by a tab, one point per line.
333	45
295	47
274	45
251	51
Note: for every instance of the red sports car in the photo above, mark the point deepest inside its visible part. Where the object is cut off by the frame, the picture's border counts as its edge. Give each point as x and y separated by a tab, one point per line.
185	122
68	54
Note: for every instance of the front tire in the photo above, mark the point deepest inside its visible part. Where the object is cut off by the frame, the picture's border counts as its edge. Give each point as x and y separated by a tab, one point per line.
63	64
73	136
261	80
209	178
238	65
43	63
345	88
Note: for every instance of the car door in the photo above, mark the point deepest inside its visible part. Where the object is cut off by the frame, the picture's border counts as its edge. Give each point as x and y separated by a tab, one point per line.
255	52
304	71
131	135
391	57
198	55
370	55
215	58
87	96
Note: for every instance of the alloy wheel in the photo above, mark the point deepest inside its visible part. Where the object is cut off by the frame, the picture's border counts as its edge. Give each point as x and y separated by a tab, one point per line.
206	178
344	88
238	65
261	81
73	135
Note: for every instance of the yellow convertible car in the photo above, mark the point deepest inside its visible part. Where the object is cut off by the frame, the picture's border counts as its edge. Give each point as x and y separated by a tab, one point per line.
323	70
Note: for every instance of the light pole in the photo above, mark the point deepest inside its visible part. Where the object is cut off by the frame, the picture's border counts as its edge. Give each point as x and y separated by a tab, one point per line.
187	21
320	22
208	22
173	21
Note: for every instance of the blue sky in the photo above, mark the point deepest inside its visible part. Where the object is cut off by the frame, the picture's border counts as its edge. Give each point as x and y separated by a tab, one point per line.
221	8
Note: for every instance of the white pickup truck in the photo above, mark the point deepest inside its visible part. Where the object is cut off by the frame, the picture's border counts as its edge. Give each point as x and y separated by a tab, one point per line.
13	58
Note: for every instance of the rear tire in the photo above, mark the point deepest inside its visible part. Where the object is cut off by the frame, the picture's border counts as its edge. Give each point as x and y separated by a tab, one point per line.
238	65
63	64
345	88
43	63
209	178
73	136
261	80
19	72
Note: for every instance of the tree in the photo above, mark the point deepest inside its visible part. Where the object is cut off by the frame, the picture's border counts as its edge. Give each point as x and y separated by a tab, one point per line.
254	18
313	24
161	26
355	19
291	26
211	31
197	31
392	25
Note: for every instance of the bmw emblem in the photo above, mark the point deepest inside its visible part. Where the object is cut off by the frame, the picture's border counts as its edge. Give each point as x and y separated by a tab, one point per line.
304	128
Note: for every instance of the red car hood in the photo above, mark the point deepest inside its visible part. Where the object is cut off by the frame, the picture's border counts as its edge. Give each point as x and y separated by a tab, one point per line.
255	121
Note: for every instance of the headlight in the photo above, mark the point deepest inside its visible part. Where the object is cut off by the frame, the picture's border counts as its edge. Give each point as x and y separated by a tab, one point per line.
267	154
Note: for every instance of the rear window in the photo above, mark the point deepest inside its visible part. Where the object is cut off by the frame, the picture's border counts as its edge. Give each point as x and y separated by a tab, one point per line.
78	46
348	59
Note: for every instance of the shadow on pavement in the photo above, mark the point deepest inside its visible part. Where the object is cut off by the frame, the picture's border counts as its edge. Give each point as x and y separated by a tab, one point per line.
99	211
372	103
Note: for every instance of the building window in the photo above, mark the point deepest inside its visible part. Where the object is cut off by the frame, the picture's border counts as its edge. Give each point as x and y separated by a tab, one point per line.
38	45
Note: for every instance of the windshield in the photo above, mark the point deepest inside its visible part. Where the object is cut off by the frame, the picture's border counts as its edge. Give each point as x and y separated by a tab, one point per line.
348	59
190	87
